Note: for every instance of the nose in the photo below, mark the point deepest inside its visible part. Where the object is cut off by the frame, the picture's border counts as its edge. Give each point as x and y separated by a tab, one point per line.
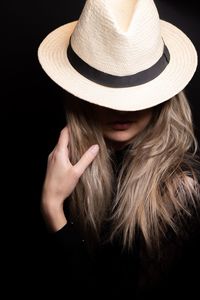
121	112
124	114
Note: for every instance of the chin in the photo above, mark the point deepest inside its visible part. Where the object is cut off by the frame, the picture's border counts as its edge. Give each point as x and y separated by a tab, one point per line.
120	137
119	140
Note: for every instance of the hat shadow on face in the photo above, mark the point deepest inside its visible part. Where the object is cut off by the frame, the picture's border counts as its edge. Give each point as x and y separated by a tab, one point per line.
91	112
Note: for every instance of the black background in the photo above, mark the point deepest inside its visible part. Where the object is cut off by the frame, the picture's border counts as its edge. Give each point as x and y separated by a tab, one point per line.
32	113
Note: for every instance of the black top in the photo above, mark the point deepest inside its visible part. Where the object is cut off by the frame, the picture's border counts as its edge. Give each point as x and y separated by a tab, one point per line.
113	273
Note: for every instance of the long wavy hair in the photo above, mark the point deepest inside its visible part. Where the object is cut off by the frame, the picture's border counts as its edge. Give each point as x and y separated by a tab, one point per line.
157	184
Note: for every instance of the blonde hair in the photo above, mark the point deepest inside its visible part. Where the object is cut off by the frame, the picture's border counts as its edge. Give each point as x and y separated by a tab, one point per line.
156	185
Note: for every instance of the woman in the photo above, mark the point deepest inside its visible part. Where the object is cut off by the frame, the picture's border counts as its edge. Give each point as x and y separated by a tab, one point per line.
121	192
140	190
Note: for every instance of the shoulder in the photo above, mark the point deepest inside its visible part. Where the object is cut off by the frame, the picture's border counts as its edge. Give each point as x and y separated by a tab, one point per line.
190	169
187	215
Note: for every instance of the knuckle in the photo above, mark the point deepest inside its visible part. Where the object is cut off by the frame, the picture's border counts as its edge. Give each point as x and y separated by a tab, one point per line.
54	155
50	155
76	173
63	131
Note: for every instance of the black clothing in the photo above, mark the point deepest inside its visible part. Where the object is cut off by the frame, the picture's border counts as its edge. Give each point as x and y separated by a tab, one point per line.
112	273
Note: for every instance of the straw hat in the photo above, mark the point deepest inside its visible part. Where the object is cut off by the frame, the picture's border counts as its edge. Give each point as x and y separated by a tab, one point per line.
120	55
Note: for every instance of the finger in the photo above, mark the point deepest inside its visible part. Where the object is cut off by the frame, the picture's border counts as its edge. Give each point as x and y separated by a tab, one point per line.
63	139
86	159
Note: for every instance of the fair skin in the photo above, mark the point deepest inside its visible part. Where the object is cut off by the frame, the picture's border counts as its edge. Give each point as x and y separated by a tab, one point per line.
118	127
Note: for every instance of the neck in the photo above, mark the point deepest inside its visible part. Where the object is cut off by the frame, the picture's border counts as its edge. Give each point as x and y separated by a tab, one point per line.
116	146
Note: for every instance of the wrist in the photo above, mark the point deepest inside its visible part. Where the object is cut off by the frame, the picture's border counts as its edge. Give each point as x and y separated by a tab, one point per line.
54	216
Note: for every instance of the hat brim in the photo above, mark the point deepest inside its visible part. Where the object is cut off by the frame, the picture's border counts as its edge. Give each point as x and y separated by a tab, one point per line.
180	70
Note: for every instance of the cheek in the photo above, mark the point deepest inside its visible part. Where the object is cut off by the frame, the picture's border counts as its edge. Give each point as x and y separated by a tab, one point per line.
101	116
103	121
145	120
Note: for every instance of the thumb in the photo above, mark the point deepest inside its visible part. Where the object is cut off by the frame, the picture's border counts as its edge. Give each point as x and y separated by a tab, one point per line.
86	159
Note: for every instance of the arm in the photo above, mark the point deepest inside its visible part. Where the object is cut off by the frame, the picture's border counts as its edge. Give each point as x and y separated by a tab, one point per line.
61	179
65	252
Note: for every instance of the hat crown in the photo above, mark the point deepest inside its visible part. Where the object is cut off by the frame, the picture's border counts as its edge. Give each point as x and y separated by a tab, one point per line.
118	37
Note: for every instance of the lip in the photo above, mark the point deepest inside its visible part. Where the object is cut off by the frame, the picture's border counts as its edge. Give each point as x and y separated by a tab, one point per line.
121	122
121	125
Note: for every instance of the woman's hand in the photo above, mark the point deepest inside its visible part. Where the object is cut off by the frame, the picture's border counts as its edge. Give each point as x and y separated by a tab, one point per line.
61	179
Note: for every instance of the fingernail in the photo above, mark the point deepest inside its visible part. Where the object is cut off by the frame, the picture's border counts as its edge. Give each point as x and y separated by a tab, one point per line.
94	149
